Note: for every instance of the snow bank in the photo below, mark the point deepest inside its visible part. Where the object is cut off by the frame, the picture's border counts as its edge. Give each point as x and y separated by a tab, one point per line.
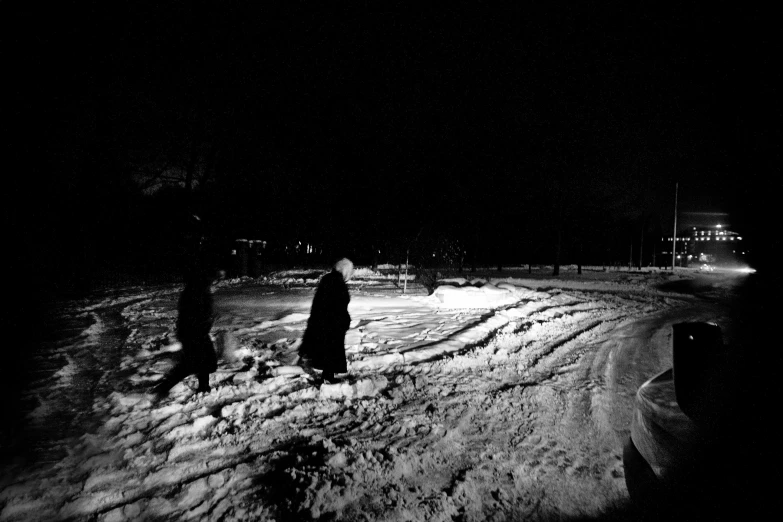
462	294
266	325
362	388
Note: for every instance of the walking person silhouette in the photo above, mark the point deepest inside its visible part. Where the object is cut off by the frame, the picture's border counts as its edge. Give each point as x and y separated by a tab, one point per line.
323	343
194	322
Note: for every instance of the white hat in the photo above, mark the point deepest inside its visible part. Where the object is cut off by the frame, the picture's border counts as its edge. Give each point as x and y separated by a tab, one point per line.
345	267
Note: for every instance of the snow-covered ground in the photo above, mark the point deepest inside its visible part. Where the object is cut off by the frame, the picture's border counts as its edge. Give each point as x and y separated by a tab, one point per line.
494	398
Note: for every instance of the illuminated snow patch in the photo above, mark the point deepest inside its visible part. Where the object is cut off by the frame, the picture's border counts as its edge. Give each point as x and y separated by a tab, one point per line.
486	296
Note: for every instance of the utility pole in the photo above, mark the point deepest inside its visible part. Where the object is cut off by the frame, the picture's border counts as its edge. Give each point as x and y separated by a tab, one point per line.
407	258
674	236
641	248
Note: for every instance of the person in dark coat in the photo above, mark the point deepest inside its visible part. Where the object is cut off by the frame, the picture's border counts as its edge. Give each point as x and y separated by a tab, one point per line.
194	321
323	344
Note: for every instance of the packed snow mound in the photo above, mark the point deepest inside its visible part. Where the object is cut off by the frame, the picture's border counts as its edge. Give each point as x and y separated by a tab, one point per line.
454	281
361	277
486	295
364	272
286	370
362	388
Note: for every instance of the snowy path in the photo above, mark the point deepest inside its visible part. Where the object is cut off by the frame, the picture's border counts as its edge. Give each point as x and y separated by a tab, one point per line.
75	365
493	412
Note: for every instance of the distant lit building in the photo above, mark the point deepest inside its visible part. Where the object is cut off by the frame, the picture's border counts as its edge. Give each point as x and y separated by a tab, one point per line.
716	246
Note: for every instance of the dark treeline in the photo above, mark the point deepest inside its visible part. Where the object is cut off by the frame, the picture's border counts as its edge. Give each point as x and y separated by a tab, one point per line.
485	138
90	229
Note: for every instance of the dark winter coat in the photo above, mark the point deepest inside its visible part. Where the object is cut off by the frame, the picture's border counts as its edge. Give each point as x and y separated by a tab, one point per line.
324	339
194	322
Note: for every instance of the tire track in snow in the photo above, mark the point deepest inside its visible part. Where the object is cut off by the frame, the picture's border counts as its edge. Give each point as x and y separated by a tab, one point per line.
467	480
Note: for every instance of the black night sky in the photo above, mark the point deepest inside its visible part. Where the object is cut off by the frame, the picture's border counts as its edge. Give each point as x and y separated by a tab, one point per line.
364	126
